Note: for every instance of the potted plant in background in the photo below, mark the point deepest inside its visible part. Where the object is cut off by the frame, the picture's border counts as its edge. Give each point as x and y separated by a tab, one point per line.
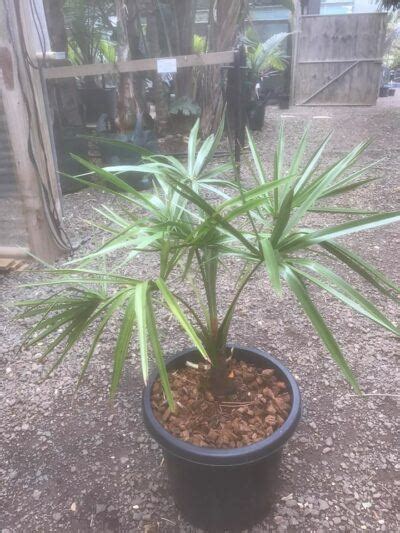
221	413
264	60
90	40
184	112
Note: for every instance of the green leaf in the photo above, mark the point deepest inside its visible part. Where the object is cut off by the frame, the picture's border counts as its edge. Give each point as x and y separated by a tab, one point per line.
260	172
343	211
324	181
203	156
311	194
114	303
118	144
349	182
107	176
210	175
181	318
296	160
333	232
299	153
159	356
73	333
76	276
347	294
245	208
311	165
272	264
336	190
192	143
120	183
123	341
188	193
362	268
120	241
298	288
282	218
141	317
278	165
223	329
259	191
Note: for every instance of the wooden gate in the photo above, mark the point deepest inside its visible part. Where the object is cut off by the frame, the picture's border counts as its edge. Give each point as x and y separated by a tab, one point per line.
339	59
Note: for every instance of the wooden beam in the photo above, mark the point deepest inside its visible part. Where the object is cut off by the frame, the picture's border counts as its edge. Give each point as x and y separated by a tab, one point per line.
358	59
335	105
14	252
136	65
295	28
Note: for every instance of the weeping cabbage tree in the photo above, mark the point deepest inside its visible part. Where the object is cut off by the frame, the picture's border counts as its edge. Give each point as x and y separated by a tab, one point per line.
263	226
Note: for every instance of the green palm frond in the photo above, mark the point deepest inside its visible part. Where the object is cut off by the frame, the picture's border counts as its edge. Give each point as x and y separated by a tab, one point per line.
191	225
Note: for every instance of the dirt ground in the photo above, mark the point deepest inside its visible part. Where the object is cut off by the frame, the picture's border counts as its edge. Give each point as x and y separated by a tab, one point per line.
75	461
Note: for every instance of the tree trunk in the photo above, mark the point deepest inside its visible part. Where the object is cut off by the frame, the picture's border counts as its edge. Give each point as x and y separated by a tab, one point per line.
134	32
128	104
223	32
149	9
63	94
184	14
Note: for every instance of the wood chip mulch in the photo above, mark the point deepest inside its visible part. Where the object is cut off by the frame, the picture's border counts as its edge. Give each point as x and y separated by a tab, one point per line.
260	405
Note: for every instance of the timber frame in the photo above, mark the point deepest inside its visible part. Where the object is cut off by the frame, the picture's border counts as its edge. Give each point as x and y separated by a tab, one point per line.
30	137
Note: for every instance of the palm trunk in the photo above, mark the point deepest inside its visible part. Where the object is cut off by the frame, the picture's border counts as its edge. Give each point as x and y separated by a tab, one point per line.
221	385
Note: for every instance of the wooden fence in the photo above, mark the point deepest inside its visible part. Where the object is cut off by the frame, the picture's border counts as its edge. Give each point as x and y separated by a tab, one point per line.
339	59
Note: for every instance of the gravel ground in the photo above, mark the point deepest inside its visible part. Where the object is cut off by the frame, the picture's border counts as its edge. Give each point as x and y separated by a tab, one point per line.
75	461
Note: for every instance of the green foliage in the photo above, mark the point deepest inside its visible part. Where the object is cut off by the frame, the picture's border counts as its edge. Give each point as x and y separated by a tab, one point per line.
199	44
186	106
263	225
388	5
264	56
392	41
90	31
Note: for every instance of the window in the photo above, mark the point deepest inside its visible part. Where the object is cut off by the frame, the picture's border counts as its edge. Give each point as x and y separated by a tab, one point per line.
336	7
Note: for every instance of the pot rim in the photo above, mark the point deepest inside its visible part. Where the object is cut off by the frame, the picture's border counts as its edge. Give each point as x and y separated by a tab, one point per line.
225	456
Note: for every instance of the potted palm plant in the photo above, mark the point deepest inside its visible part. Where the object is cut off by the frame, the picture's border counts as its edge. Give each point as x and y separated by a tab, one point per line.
90	40
220	412
264	61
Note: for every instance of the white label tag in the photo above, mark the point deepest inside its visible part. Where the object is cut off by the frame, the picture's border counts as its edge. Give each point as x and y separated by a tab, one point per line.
166	65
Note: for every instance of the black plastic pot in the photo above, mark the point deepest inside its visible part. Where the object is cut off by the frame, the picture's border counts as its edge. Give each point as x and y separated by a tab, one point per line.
284	102
218	489
96	101
69	141
383	91
256	115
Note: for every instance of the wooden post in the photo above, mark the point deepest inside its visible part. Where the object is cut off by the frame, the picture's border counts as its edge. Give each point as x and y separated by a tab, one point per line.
295	29
236	102
25	111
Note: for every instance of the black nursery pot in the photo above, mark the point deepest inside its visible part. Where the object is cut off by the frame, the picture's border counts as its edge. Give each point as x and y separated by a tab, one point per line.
256	115
218	489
